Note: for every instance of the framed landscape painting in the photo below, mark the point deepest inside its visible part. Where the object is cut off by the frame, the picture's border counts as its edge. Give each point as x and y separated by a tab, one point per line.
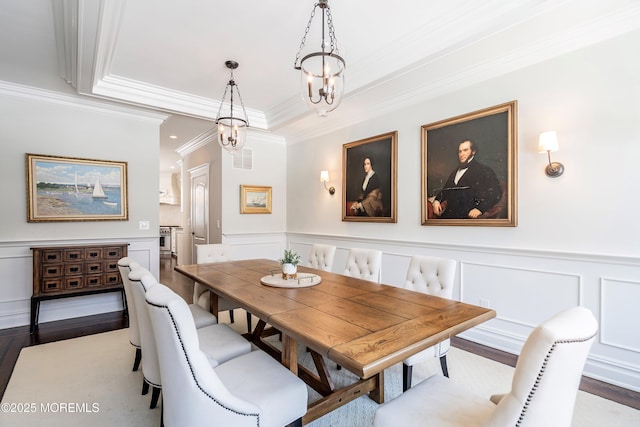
74	189
369	179
469	169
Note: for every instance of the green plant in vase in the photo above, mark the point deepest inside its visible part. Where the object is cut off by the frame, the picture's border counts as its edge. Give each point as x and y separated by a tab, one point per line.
289	261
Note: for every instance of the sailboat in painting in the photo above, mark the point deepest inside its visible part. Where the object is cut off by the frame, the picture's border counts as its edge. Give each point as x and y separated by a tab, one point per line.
75	185
98	192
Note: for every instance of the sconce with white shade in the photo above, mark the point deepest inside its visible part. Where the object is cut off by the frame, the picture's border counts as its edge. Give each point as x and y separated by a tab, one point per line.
324	178
548	142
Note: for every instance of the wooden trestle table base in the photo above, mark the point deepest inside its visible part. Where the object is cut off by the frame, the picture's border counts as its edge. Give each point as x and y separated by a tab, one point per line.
364	327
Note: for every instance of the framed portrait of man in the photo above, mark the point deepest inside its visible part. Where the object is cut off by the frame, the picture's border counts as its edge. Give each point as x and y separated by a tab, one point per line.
369	179
469	169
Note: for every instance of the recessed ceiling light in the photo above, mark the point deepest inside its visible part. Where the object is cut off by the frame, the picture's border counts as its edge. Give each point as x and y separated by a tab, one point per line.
173	137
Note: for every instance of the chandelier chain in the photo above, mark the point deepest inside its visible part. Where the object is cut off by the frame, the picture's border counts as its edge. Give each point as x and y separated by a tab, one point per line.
304	37
231	84
224	96
332	32
246	118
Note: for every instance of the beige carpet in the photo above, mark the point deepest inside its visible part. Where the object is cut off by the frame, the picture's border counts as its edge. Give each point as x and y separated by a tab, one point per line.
88	382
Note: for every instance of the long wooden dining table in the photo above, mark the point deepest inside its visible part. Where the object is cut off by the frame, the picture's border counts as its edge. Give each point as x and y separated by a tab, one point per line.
364	327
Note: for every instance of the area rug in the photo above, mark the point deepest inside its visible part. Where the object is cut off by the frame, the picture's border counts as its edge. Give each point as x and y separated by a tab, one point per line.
88	382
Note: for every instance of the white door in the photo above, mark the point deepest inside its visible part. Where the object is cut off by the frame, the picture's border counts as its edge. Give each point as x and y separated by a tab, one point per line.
199	207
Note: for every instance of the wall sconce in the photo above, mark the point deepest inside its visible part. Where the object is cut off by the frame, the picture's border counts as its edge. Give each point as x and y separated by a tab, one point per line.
548	142
324	177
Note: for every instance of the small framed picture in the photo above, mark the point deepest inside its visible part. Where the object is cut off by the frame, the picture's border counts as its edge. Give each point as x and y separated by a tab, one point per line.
74	189
469	169
255	199
369	179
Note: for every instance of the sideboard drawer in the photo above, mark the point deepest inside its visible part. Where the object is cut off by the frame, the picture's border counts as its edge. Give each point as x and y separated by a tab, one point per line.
93	267
111	278
74	282
73	255
94	280
52	256
73	269
52	285
111	266
114	252
52	270
92	253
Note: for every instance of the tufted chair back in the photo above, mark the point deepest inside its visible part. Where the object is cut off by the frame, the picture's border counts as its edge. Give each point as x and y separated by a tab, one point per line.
212	252
321	256
364	264
430	275
193	394
141	281
548	372
125	265
433	276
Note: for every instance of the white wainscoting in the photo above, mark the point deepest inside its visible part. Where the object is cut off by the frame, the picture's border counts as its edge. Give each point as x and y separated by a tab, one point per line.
16	286
524	287
256	245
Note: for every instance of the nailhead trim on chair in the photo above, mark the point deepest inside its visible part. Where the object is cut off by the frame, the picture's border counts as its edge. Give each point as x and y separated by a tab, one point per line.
541	373
193	375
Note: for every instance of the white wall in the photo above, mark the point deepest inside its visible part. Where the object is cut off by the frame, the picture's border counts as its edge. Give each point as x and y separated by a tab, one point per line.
40	122
257	235
577	239
591	98
253	235
269	169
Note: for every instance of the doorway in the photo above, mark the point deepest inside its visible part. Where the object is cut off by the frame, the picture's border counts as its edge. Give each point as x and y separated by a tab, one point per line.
199	207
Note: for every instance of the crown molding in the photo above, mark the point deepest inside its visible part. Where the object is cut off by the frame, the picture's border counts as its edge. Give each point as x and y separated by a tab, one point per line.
65	24
199	141
152	96
76	101
408	87
89	30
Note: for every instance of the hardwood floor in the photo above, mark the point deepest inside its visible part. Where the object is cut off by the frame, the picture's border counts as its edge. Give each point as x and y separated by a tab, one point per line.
12	340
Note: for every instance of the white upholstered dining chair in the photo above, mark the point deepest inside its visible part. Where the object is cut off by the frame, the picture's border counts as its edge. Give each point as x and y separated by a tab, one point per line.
219	342
208	253
321	256
125	266
543	391
433	276
250	390
364	264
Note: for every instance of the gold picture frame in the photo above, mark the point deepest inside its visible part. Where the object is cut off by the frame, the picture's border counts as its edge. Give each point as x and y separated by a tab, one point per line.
376	200
477	190
75	189
255	199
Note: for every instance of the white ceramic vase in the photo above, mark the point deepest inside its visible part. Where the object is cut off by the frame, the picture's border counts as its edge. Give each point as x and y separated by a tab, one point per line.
289	269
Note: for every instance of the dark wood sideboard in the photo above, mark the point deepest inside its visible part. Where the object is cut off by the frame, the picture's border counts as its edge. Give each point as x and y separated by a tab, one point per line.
69	271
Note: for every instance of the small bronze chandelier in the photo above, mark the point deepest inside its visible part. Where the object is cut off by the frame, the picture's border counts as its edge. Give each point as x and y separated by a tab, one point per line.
232	131
322	73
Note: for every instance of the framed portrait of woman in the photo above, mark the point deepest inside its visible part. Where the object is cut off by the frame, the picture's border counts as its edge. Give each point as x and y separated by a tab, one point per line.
369	176
469	169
